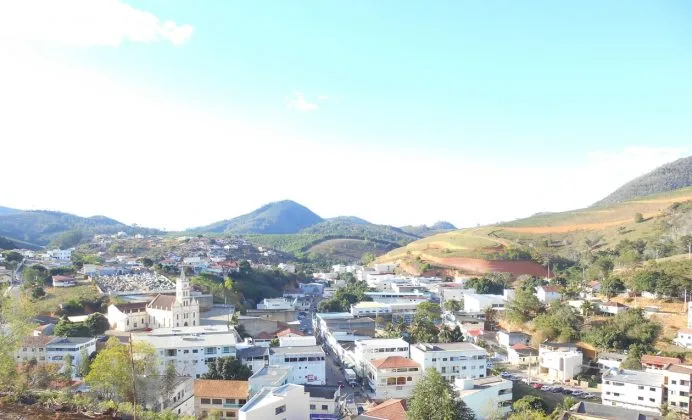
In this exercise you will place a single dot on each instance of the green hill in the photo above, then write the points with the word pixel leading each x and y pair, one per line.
pixel 425 230
pixel 40 228
pixel 7 210
pixel 669 177
pixel 280 217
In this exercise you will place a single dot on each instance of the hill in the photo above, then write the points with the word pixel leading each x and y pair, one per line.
pixel 669 177
pixel 280 217
pixel 41 228
pixel 7 210
pixel 531 241
pixel 425 230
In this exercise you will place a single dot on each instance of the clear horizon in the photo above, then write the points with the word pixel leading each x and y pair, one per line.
pixel 176 115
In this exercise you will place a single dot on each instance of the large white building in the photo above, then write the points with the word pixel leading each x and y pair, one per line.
pixel 474 303
pixel 47 349
pixel 377 348
pixel 393 377
pixel 181 310
pixel 286 402
pixel 679 388
pixel 634 390
pixel 278 304
pixel 396 297
pixel 486 397
pixel 191 348
pixel 452 360
pixel 308 363
pixel 403 310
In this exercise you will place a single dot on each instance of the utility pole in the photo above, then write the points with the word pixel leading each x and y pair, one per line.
pixel 134 381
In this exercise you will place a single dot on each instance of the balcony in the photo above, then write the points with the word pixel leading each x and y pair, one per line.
pixel 232 405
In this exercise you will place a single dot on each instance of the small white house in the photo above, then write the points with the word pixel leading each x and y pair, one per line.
pixel 684 338
pixel 64 281
pixel 547 294
pixel 612 308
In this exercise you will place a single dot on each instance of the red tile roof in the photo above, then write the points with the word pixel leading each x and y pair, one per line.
pixel 289 332
pixel 392 362
pixel 520 346
pixel 162 302
pixel 685 330
pixel 475 333
pixel 650 359
pixel 218 388
pixel 550 289
pixel 394 409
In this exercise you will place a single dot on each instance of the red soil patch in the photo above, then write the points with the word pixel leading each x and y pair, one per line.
pixel 477 265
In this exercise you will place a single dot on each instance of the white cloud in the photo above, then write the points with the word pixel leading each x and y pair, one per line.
pixel 299 103
pixel 322 97
pixel 86 23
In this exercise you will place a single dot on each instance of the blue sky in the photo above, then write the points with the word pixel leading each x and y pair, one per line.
pixel 337 104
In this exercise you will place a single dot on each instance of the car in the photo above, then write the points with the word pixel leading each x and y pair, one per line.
pixel 536 385
pixel 556 389
pixel 505 374
pixel 577 393
pixel 588 396
pixel 567 391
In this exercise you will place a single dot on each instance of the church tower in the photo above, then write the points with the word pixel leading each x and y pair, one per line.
pixel 185 309
pixel 182 289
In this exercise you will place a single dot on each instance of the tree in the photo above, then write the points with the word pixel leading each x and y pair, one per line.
pixel 169 380
pixel 486 285
pixel 367 258
pixel 529 403
pixel 112 374
pixel 638 217
pixel 147 262
pixel 228 368
pixel 561 322
pixel 524 307
pixel 12 256
pixel 67 370
pixel 274 342
pixel 445 334
pixel 453 305
pixel 97 324
pixel 588 308
pixel 434 398
pixel 15 315
pixel 84 363
pixel 65 328
pixel 38 292
pixel 611 286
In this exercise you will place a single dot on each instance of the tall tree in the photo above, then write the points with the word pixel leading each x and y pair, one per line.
pixel 169 378
pixel 434 398
pixel 15 315
pixel 67 370
pixel 84 363
pixel 228 368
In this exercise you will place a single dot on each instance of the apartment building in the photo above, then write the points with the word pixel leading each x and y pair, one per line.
pixel 254 357
pixel 486 397
pixel 402 311
pixel 286 402
pixel 474 303
pixel 452 360
pixel 393 377
pixel 268 377
pixel 307 363
pixel 395 297
pixel 219 396
pixel 377 348
pixel 678 388
pixel 634 390
pixel 49 349
pixel 560 361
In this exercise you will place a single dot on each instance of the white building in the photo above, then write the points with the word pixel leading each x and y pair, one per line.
pixel 393 377
pixel 679 387
pixel 385 268
pixel 63 281
pixel 509 338
pixel 684 337
pixel 547 294
pixel 277 304
pixel 308 363
pixel 181 310
pixel 377 348
pixel 289 268
pixel 560 362
pixel 452 360
pixel 486 397
pixel 297 341
pixel 60 254
pixel 191 348
pixel 522 355
pixel 634 390
pixel 608 360
pixel 286 402
pixel 403 310
pixel 479 303
pixel 268 377
pixel 47 349
pixel 396 297
pixel 612 308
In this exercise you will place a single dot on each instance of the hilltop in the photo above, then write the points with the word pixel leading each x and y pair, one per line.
pixel 279 217
pixel 37 228
pixel 425 230
pixel 669 177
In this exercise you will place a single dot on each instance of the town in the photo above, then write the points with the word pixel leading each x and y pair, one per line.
pixel 355 341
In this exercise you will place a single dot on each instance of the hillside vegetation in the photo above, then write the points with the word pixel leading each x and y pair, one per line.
pixel 659 220
pixel 425 230
pixel 59 229
pixel 274 218
pixel 669 177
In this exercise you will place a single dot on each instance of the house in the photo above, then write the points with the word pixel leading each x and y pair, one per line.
pixel 475 303
pixel 325 323
pixel 277 304
pixel 63 281
pixel 60 254
pixel 396 297
pixel 634 390
pixel 297 341
pixel 308 363
pixel 486 397
pixel 452 360
pixel 222 396
pixel 290 402
pixel 684 337
pixel 180 401
pixel 521 354
pixel 365 351
pixel 650 361
pixel 392 409
pixel 268 376
pixel 509 338
pixel 395 311
pixel 679 388
pixel 608 360
pixel 254 357
pixel 560 361
pixel 324 401
pixel 392 377
pixel 547 294
pixel 612 308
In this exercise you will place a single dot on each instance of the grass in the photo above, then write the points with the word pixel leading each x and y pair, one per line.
pixel 58 295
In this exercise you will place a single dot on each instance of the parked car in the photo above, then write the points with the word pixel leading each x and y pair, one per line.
pixel 567 391
pixel 556 389
pixel 577 393
pixel 536 385
pixel 505 374
pixel 588 396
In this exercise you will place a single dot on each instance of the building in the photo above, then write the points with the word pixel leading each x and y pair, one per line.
pixel 650 361
pixel 48 349
pixel 392 409
pixel 396 297
pixel 584 410
pixel 63 281
pixel 286 402
pixel 60 254
pixel 634 390
pixel 191 348
pixel 547 294
pixel 474 303
pixel 679 388
pixel 521 355
pixel 220 396
pixel 400 311
pixel 296 341
pixel 612 308
pixel 684 337
pixel 268 377
pixel 368 350
pixel 392 377
pixel 561 364
pixel 277 304
pixel 308 363
pixel 181 310
pixel 180 401
pixel 608 360
pixel 509 338
pixel 330 323
pixel 486 397
pixel 324 402
pixel 254 357
pixel 452 360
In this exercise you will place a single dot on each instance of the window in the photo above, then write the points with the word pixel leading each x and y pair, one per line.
pixel 217 401
pixel 674 382
pixel 640 398
pixel 230 413
pixel 641 386
pixel 312 406
pixel 652 389
pixel 325 407
pixel 684 394
pixel 617 394
pixel 280 409
pixel 652 399
pixel 684 404
pixel 230 401
pixel 205 400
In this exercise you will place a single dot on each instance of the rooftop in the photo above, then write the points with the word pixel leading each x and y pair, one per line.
pixel 394 409
pixel 268 396
pixel 272 375
pixel 381 342
pixel 334 315
pixel 252 351
pixel 187 341
pixel 680 369
pixel 322 391
pixel 296 350
pixel 393 362
pixel 600 411
pixel 70 340
pixel 463 346
pixel 162 302
pixel 197 329
pixel 612 356
pixel 221 388
pixel 636 377
pixel 650 359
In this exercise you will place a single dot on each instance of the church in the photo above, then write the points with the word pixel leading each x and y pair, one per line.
pixel 164 311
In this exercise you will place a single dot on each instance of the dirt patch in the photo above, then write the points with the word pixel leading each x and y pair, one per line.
pixel 566 228
pixel 481 266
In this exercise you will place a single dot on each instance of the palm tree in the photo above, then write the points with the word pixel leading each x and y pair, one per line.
pixel 445 335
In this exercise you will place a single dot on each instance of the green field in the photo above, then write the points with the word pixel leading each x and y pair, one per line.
pixel 58 295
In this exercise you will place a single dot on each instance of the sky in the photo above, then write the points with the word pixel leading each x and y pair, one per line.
pixel 173 114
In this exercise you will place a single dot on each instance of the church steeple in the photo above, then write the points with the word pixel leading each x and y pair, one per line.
pixel 182 287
